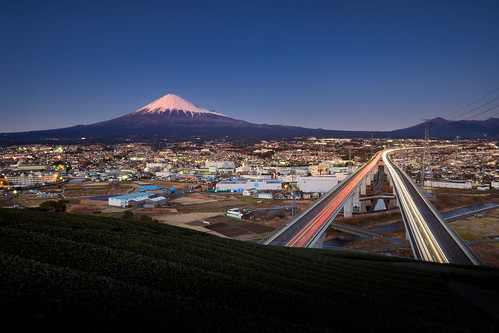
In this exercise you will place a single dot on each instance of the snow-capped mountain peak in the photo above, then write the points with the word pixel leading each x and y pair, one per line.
pixel 171 102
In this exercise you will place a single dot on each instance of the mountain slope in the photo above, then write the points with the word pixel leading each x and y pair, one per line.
pixel 442 128
pixel 168 117
pixel 175 118
pixel 84 273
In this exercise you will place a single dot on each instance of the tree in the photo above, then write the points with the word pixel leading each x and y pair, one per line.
pixel 128 215
pixel 48 206
pixel 60 205
pixel 146 218
pixel 54 206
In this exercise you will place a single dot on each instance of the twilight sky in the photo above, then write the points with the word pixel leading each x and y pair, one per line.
pixel 353 65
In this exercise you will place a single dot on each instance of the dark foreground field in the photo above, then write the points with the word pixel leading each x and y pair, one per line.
pixel 92 274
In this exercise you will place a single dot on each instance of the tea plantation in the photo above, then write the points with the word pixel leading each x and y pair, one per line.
pixel 62 272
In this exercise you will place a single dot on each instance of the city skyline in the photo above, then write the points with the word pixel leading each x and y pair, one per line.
pixel 330 65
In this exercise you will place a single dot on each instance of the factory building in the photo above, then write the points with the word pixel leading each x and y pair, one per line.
pixel 155 202
pixel 459 185
pixel 240 185
pixel 319 184
pixel 123 200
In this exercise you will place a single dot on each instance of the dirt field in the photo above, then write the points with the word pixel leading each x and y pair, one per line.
pixel 92 189
pixel 488 252
pixel 481 231
pixel 449 199
pixel 232 227
pixel 185 220
pixel 474 228
pixel 193 200
pixel 93 207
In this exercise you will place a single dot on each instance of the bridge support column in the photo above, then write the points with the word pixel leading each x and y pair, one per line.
pixel 320 242
pixel 348 207
pixel 390 179
pixel 363 186
pixel 356 196
pixel 368 178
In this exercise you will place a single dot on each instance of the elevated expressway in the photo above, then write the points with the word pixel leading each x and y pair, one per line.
pixel 307 228
pixel 431 238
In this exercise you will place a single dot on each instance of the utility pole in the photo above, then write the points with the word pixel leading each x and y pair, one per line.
pixel 292 192
pixel 425 145
pixel 426 156
pixel 372 143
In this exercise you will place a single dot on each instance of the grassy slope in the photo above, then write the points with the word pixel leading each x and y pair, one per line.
pixel 83 273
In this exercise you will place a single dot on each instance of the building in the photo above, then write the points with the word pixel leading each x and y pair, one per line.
pixel 32 167
pixel 32 179
pixel 123 200
pixel 458 185
pixel 319 184
pixel 148 188
pixel 240 185
pixel 220 164
pixel 155 202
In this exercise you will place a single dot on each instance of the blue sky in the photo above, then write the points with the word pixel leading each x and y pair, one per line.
pixel 359 65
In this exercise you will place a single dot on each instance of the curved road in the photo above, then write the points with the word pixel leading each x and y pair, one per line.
pixel 308 226
pixel 431 238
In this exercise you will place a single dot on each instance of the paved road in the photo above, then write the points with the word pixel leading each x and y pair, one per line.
pixel 303 231
pixel 431 238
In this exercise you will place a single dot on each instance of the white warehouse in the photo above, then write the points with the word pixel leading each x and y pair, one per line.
pixel 459 185
pixel 122 200
pixel 316 184
pixel 244 184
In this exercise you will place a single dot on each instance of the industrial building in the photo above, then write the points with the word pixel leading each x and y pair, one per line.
pixel 458 185
pixel 123 200
pixel 155 202
pixel 240 185
pixel 319 184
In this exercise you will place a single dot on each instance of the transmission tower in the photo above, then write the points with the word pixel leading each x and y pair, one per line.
pixel 292 193
pixel 426 156
pixel 423 162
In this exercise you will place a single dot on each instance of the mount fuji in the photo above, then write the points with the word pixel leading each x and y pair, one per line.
pixel 169 117
pixel 171 111
pixel 172 117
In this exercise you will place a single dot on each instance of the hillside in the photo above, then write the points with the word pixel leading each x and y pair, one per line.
pixel 90 274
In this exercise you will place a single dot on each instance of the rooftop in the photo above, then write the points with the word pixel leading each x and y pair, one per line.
pixel 132 195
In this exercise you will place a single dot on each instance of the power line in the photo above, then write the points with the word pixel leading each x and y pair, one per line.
pixel 492 108
pixel 471 104
pixel 478 107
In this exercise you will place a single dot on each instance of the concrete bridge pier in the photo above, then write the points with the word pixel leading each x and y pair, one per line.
pixel 368 178
pixel 348 207
pixel 363 186
pixel 356 197
pixel 390 180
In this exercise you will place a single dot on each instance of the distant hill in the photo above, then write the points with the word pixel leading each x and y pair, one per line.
pixel 442 128
pixel 61 272
pixel 173 117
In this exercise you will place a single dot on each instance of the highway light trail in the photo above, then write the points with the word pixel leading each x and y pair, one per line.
pixel 329 208
pixel 431 238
